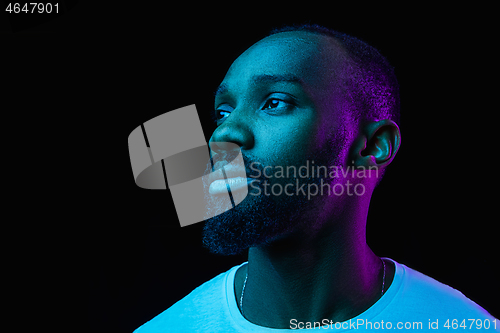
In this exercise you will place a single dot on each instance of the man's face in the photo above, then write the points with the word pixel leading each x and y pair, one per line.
pixel 277 102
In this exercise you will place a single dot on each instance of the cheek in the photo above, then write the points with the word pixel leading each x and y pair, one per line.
pixel 287 142
pixel 331 135
pixel 324 128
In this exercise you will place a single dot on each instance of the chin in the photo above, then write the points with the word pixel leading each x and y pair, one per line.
pixel 257 220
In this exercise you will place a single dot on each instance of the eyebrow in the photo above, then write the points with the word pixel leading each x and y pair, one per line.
pixel 263 78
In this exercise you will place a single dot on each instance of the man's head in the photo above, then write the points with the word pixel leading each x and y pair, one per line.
pixel 303 97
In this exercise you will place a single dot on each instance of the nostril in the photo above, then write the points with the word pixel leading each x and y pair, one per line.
pixel 223 151
pixel 224 146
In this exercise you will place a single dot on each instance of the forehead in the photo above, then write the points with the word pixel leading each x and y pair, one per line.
pixel 305 55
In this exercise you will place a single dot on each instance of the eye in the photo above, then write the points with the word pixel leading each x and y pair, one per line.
pixel 222 114
pixel 274 103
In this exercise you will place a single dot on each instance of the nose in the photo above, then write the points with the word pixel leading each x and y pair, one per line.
pixel 230 137
pixel 234 129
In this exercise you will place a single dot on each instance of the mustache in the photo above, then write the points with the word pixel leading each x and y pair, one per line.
pixel 254 168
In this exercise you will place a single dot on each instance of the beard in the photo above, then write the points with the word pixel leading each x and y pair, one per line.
pixel 263 219
pixel 258 219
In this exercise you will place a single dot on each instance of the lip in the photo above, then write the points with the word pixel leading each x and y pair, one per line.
pixel 236 178
pixel 229 170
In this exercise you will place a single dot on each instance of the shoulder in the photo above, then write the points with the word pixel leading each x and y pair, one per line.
pixel 425 294
pixel 199 308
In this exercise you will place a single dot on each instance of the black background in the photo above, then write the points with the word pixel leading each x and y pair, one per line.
pixel 112 255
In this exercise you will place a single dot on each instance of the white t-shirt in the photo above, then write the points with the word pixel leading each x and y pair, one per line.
pixel 413 302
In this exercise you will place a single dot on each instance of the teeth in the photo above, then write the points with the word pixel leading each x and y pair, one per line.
pixel 219 186
pixel 233 181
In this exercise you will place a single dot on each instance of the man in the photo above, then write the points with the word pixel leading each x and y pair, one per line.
pixel 308 98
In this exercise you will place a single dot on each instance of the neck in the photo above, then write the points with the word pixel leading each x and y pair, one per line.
pixel 311 276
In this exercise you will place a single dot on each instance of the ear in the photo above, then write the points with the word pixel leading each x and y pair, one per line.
pixel 377 144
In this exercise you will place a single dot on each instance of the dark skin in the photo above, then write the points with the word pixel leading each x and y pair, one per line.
pixel 323 269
